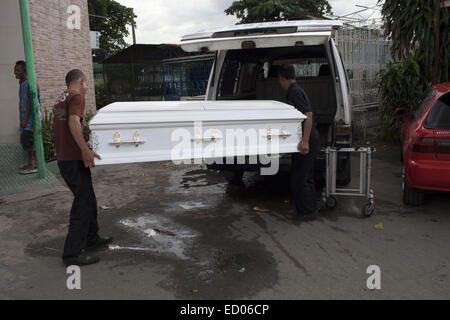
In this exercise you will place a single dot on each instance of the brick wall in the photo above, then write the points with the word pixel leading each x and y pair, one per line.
pixel 11 50
pixel 57 50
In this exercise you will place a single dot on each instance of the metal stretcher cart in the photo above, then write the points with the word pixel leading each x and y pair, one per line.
pixel 330 190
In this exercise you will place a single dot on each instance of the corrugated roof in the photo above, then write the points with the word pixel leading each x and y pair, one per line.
pixel 143 53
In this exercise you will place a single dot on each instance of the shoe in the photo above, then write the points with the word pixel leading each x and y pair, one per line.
pixel 81 260
pixel 28 171
pixel 101 242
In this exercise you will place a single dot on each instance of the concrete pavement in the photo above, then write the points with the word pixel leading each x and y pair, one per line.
pixel 184 233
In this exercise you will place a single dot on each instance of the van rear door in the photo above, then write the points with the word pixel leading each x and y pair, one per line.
pixel 262 35
pixel 343 82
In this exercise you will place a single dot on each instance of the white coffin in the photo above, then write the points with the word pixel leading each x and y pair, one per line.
pixel 129 132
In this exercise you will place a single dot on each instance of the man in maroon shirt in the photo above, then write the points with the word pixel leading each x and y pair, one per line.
pixel 75 159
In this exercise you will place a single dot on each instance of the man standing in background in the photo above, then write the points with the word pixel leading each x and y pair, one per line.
pixel 26 119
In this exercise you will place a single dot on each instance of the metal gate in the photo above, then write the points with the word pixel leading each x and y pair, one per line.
pixel 365 52
pixel 186 77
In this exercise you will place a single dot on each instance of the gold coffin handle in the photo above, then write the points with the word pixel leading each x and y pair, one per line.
pixel 211 139
pixel 281 135
pixel 284 134
pixel 136 140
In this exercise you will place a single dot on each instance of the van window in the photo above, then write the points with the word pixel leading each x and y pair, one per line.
pixel 248 77
pixel 242 74
pixel 238 77
pixel 312 67
pixel 439 117
pixel 229 77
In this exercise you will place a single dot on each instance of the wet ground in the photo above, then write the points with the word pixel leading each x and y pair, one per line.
pixel 185 233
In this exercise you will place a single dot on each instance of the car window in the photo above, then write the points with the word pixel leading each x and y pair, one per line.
pixel 439 117
pixel 429 95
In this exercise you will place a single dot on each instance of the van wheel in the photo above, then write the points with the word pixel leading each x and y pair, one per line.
pixel 346 177
pixel 411 196
pixel 233 177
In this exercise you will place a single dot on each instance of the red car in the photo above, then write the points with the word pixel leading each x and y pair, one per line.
pixel 425 138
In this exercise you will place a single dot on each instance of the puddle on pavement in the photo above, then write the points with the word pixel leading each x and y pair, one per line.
pixel 195 180
pixel 193 205
pixel 195 189
pixel 158 234
pixel 239 268
pixel 117 247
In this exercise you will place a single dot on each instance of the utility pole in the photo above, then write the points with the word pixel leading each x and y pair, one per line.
pixel 28 46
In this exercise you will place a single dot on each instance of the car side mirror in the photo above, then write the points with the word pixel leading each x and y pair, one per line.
pixel 402 113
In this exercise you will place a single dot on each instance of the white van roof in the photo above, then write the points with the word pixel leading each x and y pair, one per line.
pixel 301 25
pixel 317 31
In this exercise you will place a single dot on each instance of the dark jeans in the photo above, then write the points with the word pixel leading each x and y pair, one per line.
pixel 302 177
pixel 83 227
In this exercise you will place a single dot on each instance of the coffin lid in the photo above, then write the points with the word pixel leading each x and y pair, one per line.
pixel 190 111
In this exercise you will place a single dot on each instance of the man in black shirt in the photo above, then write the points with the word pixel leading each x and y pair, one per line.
pixel 302 171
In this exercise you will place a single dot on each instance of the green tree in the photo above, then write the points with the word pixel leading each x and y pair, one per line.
pixel 401 84
pixel 249 11
pixel 422 27
pixel 111 19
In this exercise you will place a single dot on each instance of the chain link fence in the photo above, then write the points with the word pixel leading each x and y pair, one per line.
pixel 365 52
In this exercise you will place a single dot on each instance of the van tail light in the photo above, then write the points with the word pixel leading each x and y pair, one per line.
pixel 343 134
pixel 424 145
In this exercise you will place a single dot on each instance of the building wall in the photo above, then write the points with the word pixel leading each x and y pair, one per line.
pixel 11 51
pixel 57 49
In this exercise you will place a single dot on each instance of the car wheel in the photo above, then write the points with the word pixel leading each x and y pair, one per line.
pixel 411 196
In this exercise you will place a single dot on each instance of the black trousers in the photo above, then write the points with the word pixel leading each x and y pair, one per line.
pixel 302 177
pixel 83 226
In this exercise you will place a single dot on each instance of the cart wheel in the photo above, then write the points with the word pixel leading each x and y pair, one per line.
pixel 367 210
pixel 331 202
